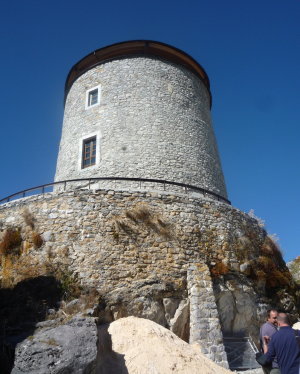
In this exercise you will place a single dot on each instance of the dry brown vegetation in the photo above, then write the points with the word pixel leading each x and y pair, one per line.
pixel 29 218
pixel 271 248
pixel 17 263
pixel 219 269
pixel 270 266
pixel 141 217
pixel 11 242
pixel 36 240
pixel 86 300
pixel 18 266
pixel 17 269
pixel 69 282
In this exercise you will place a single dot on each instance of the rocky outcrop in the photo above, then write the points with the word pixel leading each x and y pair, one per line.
pixel 239 308
pixel 152 299
pixel 66 348
pixel 127 346
pixel 136 249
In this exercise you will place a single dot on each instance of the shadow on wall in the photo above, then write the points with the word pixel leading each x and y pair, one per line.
pixel 21 308
pixel 108 361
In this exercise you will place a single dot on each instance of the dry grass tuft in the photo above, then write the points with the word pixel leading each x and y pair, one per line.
pixel 265 263
pixel 29 218
pixel 16 269
pixel 260 221
pixel 271 248
pixel 271 266
pixel 139 213
pixel 68 280
pixel 260 274
pixel 11 242
pixel 219 269
pixel 122 225
pixel 139 219
pixel 37 240
pixel 87 300
pixel 278 278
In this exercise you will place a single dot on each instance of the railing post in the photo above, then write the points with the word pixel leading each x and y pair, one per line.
pixel 23 194
pixel 65 185
pixel 164 185
pixel 43 189
pixel 89 184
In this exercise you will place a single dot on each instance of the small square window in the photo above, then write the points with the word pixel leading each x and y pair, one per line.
pixel 92 97
pixel 89 152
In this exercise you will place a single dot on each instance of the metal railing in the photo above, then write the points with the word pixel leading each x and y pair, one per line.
pixel 241 353
pixel 42 188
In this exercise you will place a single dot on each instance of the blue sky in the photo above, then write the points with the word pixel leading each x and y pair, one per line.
pixel 249 49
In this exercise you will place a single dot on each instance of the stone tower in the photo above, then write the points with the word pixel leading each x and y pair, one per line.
pixel 200 267
pixel 139 109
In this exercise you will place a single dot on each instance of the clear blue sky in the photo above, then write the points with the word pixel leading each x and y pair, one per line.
pixel 250 50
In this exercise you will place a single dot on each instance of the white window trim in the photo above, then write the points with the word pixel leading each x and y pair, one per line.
pixel 87 94
pixel 96 135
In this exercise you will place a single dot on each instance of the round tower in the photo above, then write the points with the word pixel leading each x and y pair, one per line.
pixel 139 109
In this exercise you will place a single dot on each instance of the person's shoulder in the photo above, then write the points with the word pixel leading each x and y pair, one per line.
pixel 268 327
pixel 283 331
pixel 266 324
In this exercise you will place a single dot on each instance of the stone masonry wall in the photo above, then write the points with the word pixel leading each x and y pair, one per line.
pixel 136 249
pixel 153 121
pixel 122 236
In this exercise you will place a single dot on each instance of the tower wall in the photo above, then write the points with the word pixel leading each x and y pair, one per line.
pixel 153 121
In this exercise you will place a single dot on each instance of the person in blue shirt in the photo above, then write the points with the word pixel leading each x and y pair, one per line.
pixel 284 346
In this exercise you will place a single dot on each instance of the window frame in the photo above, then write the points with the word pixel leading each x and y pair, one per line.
pixel 84 139
pixel 89 145
pixel 88 95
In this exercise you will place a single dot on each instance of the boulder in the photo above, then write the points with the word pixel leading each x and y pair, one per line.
pixel 138 346
pixel 66 348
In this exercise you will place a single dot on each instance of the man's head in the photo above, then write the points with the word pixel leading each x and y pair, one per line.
pixel 283 319
pixel 272 316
